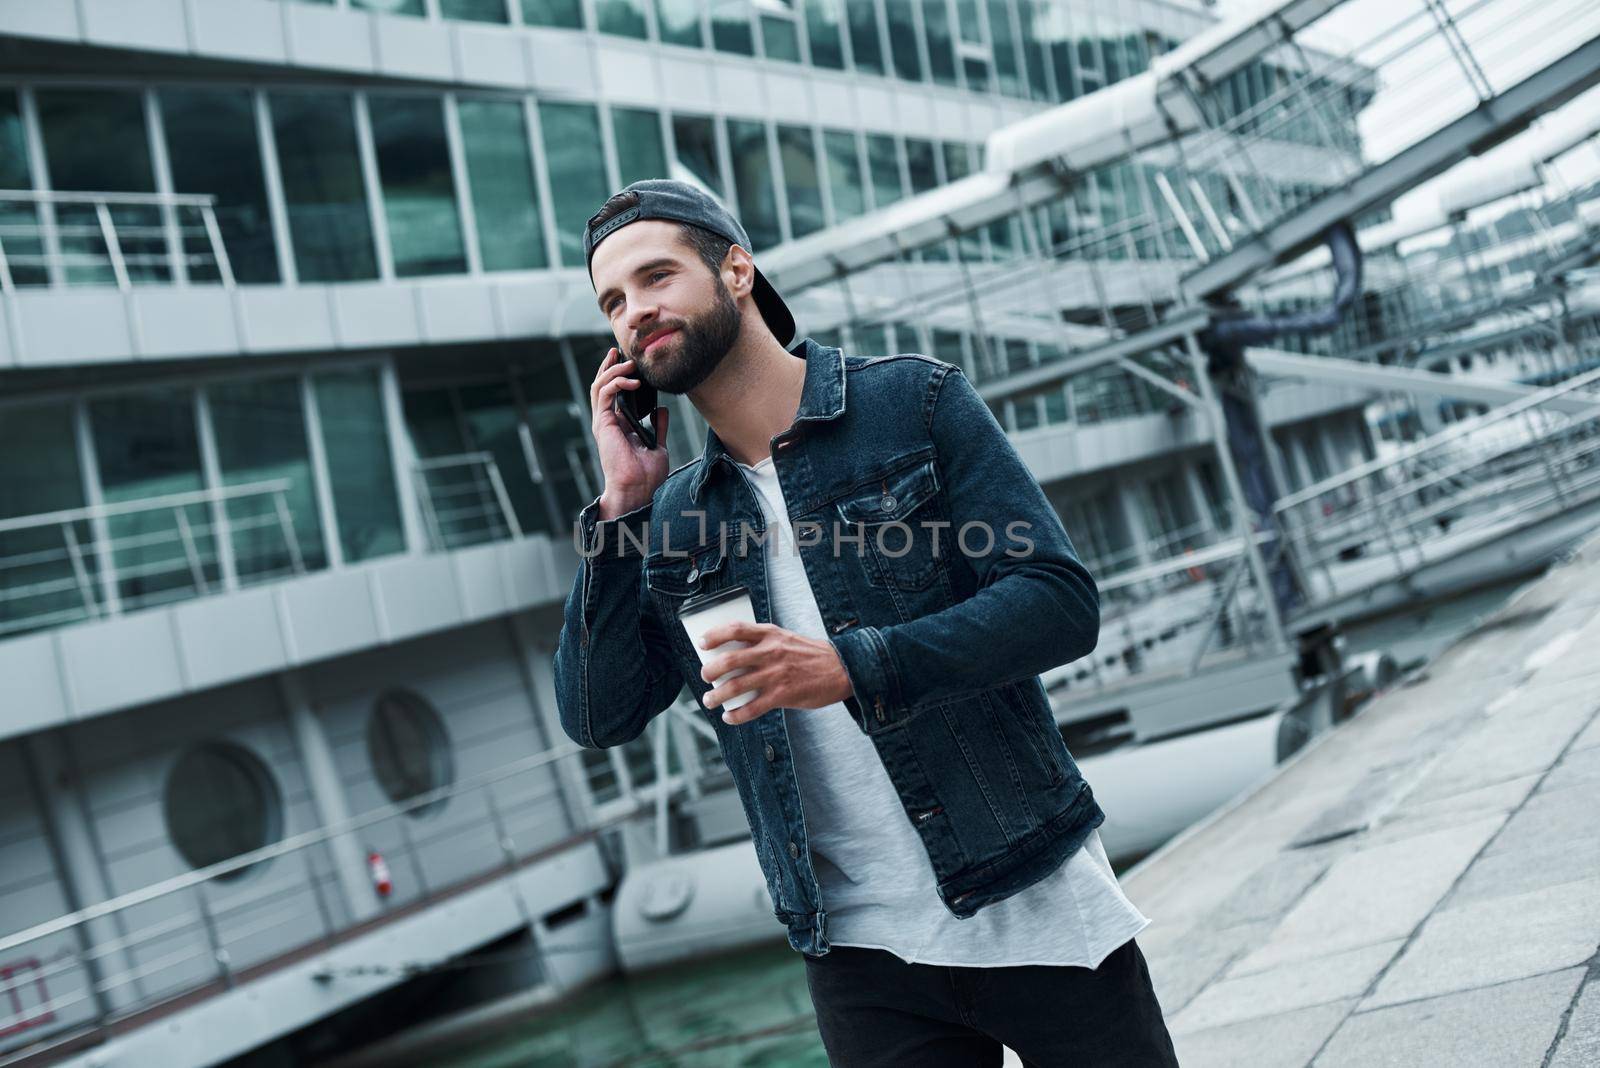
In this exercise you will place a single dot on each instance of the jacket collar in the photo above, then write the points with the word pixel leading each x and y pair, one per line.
pixel 822 397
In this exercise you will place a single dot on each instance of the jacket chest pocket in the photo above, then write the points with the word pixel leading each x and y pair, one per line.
pixel 673 579
pixel 888 514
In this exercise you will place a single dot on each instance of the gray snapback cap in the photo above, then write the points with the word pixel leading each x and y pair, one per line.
pixel 664 198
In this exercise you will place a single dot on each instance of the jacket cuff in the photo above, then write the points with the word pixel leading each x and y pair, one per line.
pixel 624 537
pixel 875 703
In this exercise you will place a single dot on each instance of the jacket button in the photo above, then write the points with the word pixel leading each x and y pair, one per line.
pixel 694 573
pixel 888 503
pixel 794 850
pixel 772 754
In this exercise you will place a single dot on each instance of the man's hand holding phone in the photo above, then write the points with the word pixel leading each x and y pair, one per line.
pixel 632 467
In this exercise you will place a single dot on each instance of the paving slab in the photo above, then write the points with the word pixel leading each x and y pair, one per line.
pixel 1374 895
pixel 1549 817
pixel 1506 1026
pixel 1495 940
pixel 1580 767
pixel 1288 1040
pixel 1183 966
pixel 1338 977
pixel 1579 1045
pixel 1528 867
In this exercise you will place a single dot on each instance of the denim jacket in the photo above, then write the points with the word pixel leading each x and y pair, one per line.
pixel 942 631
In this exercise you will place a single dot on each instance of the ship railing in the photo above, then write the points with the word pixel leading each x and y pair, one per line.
pixel 221 925
pixel 1485 474
pixel 464 501
pixel 120 239
pixel 104 560
pixel 1174 617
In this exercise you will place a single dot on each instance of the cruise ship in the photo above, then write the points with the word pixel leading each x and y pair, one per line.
pixel 295 343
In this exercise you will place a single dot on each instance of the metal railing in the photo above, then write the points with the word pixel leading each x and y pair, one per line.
pixel 104 560
pixel 464 501
pixel 120 239
pixel 209 928
pixel 1486 475
pixel 1173 617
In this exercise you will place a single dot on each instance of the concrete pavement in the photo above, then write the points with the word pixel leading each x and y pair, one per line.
pixel 1420 886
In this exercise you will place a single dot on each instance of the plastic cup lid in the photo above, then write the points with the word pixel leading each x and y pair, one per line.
pixel 706 600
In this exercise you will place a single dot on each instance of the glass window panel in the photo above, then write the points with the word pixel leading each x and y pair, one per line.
pixel 884 163
pixel 1005 49
pixel 798 156
pixel 625 18
pixel 220 801
pixel 567 14
pixel 678 22
pixel 752 166
pixel 577 171
pixel 211 141
pixel 903 40
pixel 494 425
pixel 947 346
pixel 919 160
pixel 1033 53
pixel 695 138
pixel 146 447
pixel 505 198
pixel 970 27
pixel 323 186
pixel 924 177
pixel 823 21
pixel 19 223
pixel 941 44
pixel 409 750
pixel 779 36
pixel 474 10
pixel 39 473
pixel 844 174
pixel 731 30
pixel 261 437
pixel 95 140
pixel 957 160
pixel 558 426
pixel 640 153
pixel 391 7
pixel 419 191
pixel 360 468
pixel 866 44
pixel 1026 413
pixel 871 340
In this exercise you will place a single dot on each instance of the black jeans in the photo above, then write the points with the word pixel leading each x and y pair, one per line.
pixel 875 1009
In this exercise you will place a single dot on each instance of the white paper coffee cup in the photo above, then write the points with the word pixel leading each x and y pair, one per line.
pixel 702 612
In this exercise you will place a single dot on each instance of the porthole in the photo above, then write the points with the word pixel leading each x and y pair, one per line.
pixel 221 801
pixel 409 749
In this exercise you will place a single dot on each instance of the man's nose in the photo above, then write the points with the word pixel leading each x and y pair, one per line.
pixel 640 318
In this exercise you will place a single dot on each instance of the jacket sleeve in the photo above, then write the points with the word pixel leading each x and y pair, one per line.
pixel 1036 606
pixel 614 667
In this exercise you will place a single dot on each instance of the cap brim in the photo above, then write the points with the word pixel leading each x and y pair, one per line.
pixel 773 309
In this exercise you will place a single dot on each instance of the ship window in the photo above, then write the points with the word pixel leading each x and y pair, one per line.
pixel 409 749
pixel 221 801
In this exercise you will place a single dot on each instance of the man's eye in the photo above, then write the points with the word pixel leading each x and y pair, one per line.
pixel 657 274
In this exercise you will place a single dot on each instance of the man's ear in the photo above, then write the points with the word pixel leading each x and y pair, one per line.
pixel 739 271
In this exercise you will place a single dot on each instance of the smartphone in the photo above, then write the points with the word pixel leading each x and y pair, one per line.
pixel 635 406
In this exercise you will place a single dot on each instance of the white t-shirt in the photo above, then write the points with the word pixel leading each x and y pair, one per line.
pixel 877 883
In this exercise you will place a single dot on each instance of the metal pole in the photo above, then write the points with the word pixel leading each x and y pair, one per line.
pixel 213 939
pixel 1230 477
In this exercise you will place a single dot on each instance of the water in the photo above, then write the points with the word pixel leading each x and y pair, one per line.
pixel 741 1010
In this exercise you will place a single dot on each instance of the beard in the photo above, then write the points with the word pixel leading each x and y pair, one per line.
pixel 702 342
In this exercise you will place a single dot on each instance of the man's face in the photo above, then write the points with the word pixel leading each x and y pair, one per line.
pixel 671 315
